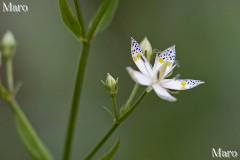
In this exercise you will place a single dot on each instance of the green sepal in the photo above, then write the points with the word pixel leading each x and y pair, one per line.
pixel 112 151
pixel 70 20
pixel 149 89
pixel 173 91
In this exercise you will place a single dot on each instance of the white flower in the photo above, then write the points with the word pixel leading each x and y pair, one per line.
pixel 156 76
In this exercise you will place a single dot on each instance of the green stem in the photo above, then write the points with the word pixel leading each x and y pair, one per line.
pixel 133 94
pixel 98 18
pixel 104 139
pixel 75 100
pixel 115 125
pixel 114 104
pixel 79 15
pixel 134 107
pixel 9 72
pixel 80 74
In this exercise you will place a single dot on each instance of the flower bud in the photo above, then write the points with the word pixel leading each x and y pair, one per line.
pixel 8 45
pixel 111 85
pixel 146 48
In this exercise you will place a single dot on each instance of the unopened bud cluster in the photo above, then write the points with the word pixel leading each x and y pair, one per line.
pixel 8 45
pixel 111 85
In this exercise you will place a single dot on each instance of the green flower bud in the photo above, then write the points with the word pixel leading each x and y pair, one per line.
pixel 111 85
pixel 8 45
pixel 146 48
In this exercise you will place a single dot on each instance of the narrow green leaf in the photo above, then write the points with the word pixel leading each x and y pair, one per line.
pixel 33 144
pixel 70 20
pixel 107 17
pixel 108 111
pixel 112 151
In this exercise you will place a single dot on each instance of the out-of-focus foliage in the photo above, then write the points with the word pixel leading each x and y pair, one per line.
pixel 206 34
pixel 107 17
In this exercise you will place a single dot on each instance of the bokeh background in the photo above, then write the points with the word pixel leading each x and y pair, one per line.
pixel 207 38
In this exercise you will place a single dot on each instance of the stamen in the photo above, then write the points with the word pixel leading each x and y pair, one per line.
pixel 157 51
pixel 177 63
pixel 158 74
pixel 177 77
pixel 143 59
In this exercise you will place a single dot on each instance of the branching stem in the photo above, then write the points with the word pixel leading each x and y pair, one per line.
pixel 115 125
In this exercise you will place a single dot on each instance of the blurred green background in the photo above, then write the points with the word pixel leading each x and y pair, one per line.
pixel 207 38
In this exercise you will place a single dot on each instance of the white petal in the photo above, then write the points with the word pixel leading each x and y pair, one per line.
pixel 167 56
pixel 180 84
pixel 139 59
pixel 139 77
pixel 162 93
pixel 156 65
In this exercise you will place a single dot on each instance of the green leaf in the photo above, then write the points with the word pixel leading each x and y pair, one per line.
pixel 107 17
pixel 112 151
pixel 31 140
pixel 108 111
pixel 70 20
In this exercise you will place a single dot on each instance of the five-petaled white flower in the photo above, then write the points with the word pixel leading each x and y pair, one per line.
pixel 156 76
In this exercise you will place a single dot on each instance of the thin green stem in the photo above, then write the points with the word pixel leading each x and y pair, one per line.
pixel 79 16
pixel 80 74
pixel 75 101
pixel 103 140
pixel 114 104
pixel 133 94
pixel 78 87
pixel 98 18
pixel 115 125
pixel 9 72
pixel 134 107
